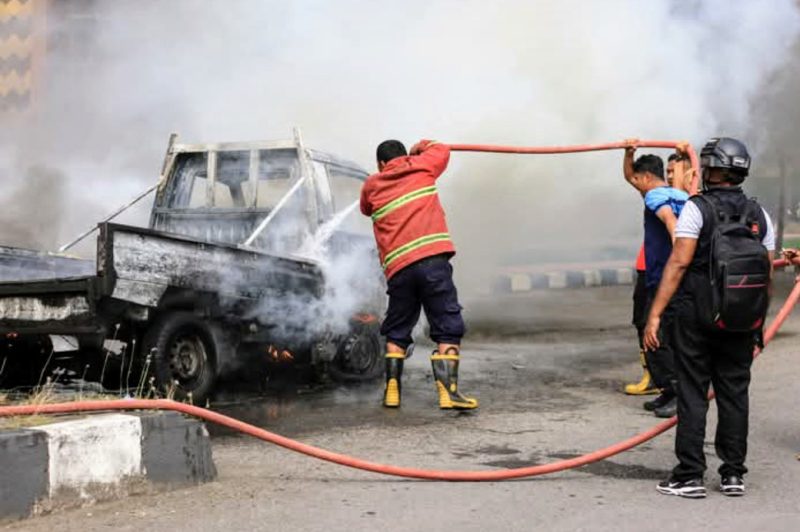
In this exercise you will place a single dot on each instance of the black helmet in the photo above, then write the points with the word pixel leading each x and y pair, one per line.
pixel 728 154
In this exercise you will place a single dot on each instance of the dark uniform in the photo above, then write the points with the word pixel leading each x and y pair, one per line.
pixel 415 249
pixel 705 353
pixel 658 246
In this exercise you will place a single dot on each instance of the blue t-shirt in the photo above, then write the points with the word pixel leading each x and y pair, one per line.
pixel 657 242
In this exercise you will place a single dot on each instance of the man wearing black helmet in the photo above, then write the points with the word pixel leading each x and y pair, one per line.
pixel 719 273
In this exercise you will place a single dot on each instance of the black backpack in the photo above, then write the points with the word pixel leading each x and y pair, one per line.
pixel 739 268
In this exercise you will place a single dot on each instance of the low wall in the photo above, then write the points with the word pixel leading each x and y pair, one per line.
pixel 100 457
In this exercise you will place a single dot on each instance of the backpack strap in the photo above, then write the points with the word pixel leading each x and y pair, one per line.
pixel 750 213
pixel 712 211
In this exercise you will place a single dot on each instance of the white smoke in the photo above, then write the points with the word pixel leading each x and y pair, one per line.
pixel 352 73
pixel 352 285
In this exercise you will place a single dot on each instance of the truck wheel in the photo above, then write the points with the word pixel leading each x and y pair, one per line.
pixel 185 360
pixel 360 354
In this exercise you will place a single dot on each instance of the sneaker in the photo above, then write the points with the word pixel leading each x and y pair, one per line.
pixel 668 410
pixel 691 489
pixel 732 486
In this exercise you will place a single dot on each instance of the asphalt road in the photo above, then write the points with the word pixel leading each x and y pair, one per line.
pixel 548 391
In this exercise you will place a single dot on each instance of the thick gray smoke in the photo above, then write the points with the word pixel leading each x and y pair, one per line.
pixel 120 76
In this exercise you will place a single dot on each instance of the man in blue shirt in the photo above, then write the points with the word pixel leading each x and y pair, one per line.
pixel 663 204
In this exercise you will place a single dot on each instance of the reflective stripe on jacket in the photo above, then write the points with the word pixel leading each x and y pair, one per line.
pixel 407 218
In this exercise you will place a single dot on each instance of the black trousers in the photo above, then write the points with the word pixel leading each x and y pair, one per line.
pixel 661 362
pixel 639 319
pixel 704 356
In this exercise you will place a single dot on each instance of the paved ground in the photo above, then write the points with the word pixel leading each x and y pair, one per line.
pixel 544 396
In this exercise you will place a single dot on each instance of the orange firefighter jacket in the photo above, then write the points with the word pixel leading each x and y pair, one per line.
pixel 407 218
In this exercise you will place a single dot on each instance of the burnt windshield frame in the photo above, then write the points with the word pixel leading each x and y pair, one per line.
pixel 187 168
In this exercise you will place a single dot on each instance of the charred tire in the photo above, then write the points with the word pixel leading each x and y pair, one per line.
pixel 360 354
pixel 185 359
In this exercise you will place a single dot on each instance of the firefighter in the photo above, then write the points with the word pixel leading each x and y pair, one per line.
pixel 708 347
pixel 415 249
pixel 663 204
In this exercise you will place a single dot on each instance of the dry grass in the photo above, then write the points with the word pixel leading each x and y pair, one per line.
pixel 41 395
pixel 48 393
pixel 21 422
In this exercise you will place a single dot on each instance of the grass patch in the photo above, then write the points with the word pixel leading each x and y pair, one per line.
pixel 41 395
pixel 22 422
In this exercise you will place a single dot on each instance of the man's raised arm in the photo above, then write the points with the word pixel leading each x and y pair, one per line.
pixel 431 155
pixel 627 161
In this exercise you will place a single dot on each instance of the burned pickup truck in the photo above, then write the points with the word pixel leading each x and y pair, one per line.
pixel 240 267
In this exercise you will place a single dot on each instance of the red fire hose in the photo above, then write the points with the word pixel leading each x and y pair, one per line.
pixel 426 474
pixel 549 150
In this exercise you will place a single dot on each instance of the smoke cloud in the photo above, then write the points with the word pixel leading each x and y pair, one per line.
pixel 120 76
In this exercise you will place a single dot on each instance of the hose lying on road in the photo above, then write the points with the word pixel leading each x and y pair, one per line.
pixel 341 459
pixel 385 469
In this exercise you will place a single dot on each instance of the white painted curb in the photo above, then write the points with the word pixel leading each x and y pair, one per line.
pixel 103 449
pixel 102 456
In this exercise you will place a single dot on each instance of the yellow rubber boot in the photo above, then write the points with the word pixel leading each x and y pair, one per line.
pixel 644 386
pixel 394 374
pixel 445 375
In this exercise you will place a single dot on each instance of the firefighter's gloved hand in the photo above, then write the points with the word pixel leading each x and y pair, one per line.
pixel 420 146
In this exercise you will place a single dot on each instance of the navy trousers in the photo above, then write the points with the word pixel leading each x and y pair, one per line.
pixel 424 285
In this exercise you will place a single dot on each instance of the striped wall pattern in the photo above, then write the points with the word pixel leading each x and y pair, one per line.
pixel 509 283
pixel 17 28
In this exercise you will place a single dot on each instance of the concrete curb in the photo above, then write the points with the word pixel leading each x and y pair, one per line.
pixel 103 456
pixel 509 283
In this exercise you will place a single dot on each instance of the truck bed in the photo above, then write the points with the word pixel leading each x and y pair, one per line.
pixel 137 268
pixel 18 264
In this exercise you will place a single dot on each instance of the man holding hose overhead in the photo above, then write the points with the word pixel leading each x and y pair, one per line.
pixel 415 250
pixel 663 204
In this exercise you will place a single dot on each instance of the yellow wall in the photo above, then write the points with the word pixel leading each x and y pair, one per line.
pixel 21 40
